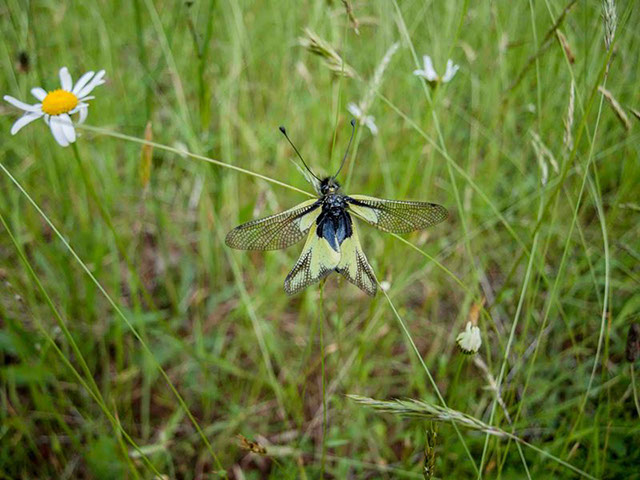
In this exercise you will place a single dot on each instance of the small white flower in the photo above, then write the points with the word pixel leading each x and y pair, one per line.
pixel 429 73
pixel 385 285
pixel 469 341
pixel 58 105
pixel 363 119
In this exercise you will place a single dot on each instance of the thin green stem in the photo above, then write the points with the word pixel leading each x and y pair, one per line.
pixel 122 316
pixel 257 328
pixel 426 370
pixel 525 285
pixel 179 152
pixel 339 101
pixel 142 55
pixel 137 283
pixel 91 387
pixel 324 383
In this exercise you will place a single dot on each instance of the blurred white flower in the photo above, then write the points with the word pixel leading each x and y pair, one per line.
pixel 469 341
pixel 363 119
pixel 58 105
pixel 385 285
pixel 430 75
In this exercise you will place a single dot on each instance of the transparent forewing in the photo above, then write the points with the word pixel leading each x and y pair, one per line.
pixel 354 265
pixel 316 261
pixel 276 231
pixel 396 216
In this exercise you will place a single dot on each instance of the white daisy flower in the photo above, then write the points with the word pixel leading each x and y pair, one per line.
pixel 469 341
pixel 430 75
pixel 58 105
pixel 363 119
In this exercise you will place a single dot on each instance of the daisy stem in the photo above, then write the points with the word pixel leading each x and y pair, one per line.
pixel 136 281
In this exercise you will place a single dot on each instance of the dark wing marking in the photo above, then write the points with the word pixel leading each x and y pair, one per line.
pixel 396 216
pixel 354 265
pixel 276 231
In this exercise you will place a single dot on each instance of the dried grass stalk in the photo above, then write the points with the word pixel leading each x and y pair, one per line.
pixel 620 113
pixel 566 47
pixel 352 18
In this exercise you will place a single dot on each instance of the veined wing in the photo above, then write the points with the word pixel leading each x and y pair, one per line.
pixel 354 265
pixel 396 216
pixel 276 231
pixel 317 260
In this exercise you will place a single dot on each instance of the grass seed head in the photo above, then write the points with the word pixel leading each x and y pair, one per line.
pixel 315 44
pixel 610 17
pixel 568 120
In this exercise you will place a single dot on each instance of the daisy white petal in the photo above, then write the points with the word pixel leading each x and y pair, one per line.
pixel 450 71
pixel 84 111
pixel 21 105
pixel 24 120
pixel 95 81
pixel 67 127
pixel 58 134
pixel 354 110
pixel 82 81
pixel 429 72
pixel 469 341
pixel 39 93
pixel 369 122
pixel 65 79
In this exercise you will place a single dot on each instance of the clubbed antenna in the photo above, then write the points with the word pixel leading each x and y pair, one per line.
pixel 284 132
pixel 353 130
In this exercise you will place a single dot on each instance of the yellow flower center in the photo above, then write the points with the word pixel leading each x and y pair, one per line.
pixel 59 101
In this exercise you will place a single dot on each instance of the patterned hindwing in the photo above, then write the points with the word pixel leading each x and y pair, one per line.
pixel 276 231
pixel 396 216
pixel 354 265
pixel 316 261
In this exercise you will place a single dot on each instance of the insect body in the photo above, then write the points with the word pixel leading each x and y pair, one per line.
pixel 332 238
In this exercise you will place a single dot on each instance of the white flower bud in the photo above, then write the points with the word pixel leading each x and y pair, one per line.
pixel 469 341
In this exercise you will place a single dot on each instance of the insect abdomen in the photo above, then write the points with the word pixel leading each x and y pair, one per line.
pixel 334 225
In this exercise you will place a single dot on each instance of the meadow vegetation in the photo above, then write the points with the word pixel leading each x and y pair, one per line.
pixel 135 344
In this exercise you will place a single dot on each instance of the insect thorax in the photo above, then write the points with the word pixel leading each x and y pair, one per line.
pixel 334 222
pixel 334 202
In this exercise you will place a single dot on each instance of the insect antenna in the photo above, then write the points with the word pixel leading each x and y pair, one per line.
pixel 284 132
pixel 353 130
